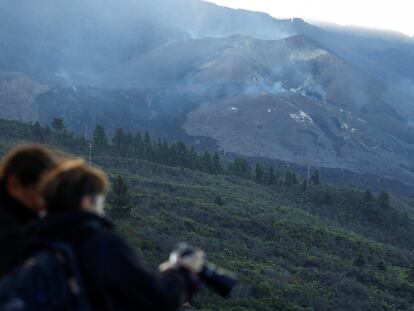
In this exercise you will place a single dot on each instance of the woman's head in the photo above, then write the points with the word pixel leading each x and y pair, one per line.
pixel 21 171
pixel 73 186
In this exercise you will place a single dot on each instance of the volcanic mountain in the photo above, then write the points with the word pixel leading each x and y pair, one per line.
pixel 229 79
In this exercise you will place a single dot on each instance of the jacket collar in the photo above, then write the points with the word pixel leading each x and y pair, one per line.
pixel 64 222
pixel 65 227
pixel 14 207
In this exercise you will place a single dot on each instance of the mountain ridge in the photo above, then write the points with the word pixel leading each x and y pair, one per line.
pixel 172 65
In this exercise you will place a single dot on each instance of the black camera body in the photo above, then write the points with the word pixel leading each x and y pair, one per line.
pixel 218 279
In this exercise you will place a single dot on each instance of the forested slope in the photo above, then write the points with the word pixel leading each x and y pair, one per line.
pixel 295 246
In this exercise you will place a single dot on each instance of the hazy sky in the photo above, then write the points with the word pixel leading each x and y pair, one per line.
pixel 384 14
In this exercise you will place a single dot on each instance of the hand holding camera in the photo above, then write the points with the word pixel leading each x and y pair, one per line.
pixel 218 279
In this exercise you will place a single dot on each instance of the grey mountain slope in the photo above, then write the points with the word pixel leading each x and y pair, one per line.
pixel 289 99
pixel 78 37
pixel 296 64
pixel 75 39
pixel 161 64
pixel 296 129
pixel 18 96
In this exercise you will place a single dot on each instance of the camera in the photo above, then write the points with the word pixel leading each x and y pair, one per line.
pixel 216 278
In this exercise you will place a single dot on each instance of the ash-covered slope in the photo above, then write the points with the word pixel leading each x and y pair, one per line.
pixel 246 64
pixel 74 41
pixel 294 100
pixel 301 130
pixel 289 99
pixel 18 96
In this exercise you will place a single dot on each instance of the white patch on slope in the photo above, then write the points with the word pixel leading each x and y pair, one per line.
pixel 344 126
pixel 363 121
pixel 301 117
pixel 309 86
pixel 307 55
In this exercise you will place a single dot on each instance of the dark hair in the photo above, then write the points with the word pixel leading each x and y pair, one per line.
pixel 64 187
pixel 27 163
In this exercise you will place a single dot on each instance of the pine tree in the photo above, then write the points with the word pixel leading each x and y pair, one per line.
pixel 194 159
pixel 304 185
pixel 118 139
pixel 37 132
pixel 207 162
pixel 137 146
pixel 295 180
pixel 182 154
pixel 127 143
pixel 100 140
pixel 119 186
pixel 165 150
pixel 271 177
pixel 159 156
pixel 384 200
pixel 315 179
pixel 120 200
pixel 58 125
pixel 48 131
pixel 218 168
pixel 246 169
pixel 259 172
pixel 368 197
pixel 240 167
pixel 172 155
pixel 290 179
pixel 286 179
pixel 148 148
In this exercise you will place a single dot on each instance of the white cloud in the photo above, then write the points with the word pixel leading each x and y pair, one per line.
pixel 394 15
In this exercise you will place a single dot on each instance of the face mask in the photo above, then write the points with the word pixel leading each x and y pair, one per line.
pixel 98 204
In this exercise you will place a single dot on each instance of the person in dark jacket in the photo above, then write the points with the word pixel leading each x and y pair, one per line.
pixel 20 173
pixel 114 277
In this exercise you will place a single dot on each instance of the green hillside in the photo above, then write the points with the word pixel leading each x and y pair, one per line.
pixel 294 247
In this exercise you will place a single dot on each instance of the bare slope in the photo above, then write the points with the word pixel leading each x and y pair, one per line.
pixel 17 96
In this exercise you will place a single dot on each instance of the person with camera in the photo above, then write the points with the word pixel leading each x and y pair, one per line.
pixel 113 275
pixel 20 203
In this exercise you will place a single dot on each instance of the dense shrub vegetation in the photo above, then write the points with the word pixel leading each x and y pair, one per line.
pixel 296 244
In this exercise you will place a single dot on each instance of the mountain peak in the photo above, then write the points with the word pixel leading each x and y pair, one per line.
pixel 301 41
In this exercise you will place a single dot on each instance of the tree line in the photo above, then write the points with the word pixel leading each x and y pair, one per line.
pixel 146 147
pixel 160 151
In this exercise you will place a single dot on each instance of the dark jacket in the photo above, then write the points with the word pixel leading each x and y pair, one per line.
pixel 14 217
pixel 113 275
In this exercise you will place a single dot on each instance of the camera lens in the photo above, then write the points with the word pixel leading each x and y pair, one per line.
pixel 220 280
